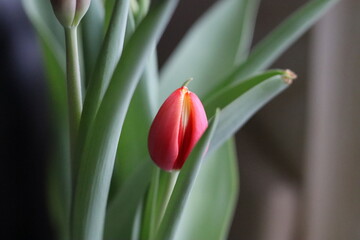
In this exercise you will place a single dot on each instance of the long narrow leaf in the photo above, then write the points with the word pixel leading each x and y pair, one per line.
pixel 109 7
pixel 278 41
pixel 104 68
pixel 248 13
pixel 185 183
pixel 228 94
pixel 121 212
pixel 208 51
pixel 236 114
pixel 212 201
pixel 97 161
pixel 92 26
pixel 137 123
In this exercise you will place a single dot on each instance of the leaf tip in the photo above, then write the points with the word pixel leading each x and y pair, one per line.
pixel 289 76
pixel 187 82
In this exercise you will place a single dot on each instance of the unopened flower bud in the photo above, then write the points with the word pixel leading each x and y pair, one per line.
pixel 176 129
pixel 70 12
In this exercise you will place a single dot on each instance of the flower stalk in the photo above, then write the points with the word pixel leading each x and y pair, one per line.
pixel 69 13
pixel 74 93
pixel 166 187
pixel 161 188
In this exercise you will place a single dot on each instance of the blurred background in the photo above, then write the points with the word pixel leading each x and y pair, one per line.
pixel 299 157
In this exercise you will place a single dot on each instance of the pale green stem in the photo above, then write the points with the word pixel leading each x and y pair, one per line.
pixel 166 186
pixel 73 89
pixel 161 188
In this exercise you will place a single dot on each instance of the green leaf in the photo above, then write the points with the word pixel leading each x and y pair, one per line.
pixel 278 41
pixel 185 183
pixel 130 156
pixel 92 26
pixel 211 48
pixel 137 123
pixel 212 202
pixel 226 95
pixel 109 6
pixel 97 161
pixel 121 211
pixel 248 20
pixel 236 114
pixel 108 58
pixel 143 8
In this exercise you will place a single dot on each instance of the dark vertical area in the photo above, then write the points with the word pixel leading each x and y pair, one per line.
pixel 24 129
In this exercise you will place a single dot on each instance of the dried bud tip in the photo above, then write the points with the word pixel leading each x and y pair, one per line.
pixel 289 76
pixel 70 12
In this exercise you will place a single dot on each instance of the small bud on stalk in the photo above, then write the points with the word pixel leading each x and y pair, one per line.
pixel 176 129
pixel 70 12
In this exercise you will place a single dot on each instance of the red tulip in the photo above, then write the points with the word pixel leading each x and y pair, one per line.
pixel 176 129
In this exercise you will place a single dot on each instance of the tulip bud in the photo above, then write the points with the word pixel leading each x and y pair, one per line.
pixel 176 129
pixel 70 12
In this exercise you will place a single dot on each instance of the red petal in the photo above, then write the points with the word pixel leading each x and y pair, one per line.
pixel 197 124
pixel 163 135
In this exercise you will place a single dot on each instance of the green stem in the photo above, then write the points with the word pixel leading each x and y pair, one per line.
pixel 161 188
pixel 166 186
pixel 73 88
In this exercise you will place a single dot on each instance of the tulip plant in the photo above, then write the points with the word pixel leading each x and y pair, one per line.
pixel 139 153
